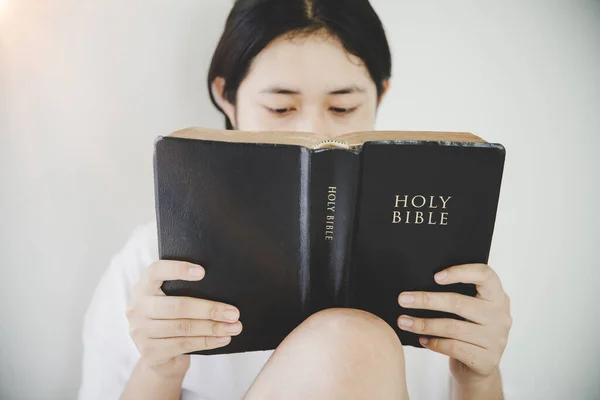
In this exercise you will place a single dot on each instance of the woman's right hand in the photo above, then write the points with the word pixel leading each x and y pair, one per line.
pixel 164 328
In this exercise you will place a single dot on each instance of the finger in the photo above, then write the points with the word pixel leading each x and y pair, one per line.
pixel 483 276
pixel 477 358
pixel 174 307
pixel 158 329
pixel 471 308
pixel 467 332
pixel 168 270
pixel 164 349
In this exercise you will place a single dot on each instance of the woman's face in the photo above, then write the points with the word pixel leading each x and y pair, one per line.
pixel 308 84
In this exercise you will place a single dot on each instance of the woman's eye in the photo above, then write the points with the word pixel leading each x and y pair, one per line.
pixel 340 110
pixel 280 111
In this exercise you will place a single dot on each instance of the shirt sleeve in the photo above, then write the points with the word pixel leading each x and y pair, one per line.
pixel 109 354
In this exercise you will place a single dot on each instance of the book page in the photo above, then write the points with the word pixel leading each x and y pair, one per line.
pixel 313 140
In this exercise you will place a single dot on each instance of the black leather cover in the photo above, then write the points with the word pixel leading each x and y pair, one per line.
pixel 256 217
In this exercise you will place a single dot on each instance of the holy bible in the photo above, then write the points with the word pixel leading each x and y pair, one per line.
pixel 287 224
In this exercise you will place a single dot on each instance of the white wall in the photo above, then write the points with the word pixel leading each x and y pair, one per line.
pixel 86 86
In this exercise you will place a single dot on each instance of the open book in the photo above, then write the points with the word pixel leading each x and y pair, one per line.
pixel 287 224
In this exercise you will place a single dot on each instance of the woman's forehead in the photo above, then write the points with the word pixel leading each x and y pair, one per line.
pixel 307 64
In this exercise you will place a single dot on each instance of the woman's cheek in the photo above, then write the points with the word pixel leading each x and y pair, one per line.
pixel 257 119
pixel 360 120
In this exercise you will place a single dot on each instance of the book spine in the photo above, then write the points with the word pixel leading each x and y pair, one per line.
pixel 305 239
pixel 334 176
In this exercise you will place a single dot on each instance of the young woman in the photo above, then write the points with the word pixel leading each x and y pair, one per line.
pixel 296 65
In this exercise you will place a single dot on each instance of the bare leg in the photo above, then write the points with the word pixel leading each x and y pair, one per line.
pixel 338 353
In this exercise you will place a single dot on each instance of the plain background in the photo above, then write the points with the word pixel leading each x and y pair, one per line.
pixel 86 86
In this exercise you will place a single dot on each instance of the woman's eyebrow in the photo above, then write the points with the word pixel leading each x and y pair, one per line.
pixel 279 90
pixel 348 90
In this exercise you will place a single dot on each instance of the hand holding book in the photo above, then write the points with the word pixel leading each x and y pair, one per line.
pixel 165 328
pixel 476 343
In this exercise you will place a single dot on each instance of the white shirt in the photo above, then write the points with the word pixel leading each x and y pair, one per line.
pixel 109 354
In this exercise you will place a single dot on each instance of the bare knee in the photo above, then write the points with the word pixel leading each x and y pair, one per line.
pixel 344 323
pixel 335 353
pixel 344 329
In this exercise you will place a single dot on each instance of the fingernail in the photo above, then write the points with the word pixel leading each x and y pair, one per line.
pixel 440 276
pixel 233 328
pixel 195 271
pixel 406 322
pixel 231 315
pixel 223 339
pixel 406 298
pixel 424 340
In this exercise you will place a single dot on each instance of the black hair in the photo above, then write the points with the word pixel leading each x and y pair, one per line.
pixel 253 24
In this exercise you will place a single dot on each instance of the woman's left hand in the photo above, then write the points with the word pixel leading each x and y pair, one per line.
pixel 476 345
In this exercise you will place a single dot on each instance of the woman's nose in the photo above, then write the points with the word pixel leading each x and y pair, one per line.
pixel 315 123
